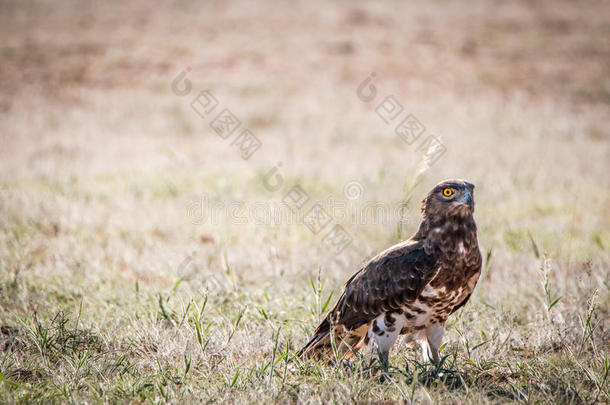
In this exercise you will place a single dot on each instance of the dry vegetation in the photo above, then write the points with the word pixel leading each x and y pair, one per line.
pixel 110 289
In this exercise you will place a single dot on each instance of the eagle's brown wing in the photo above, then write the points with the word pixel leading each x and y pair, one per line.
pixel 391 279
pixel 386 283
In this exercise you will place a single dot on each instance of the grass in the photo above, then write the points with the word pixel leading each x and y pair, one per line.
pixel 112 291
pixel 229 344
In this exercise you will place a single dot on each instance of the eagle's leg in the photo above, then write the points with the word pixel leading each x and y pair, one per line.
pixel 384 331
pixel 383 343
pixel 432 342
pixel 384 358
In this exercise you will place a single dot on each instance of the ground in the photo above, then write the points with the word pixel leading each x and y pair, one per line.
pixel 146 258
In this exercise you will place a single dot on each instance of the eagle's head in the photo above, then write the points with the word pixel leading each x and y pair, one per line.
pixel 449 198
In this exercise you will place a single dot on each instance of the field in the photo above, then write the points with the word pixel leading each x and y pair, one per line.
pixel 149 255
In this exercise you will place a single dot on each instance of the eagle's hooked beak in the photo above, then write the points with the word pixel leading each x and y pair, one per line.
pixel 467 199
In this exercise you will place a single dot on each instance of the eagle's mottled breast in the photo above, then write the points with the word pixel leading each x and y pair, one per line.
pixel 456 275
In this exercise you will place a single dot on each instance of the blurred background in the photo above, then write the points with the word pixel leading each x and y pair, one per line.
pixel 106 167
pixel 95 140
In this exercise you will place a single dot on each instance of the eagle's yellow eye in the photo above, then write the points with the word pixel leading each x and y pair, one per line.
pixel 447 192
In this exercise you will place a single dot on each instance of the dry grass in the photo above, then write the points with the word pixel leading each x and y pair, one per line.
pixel 110 289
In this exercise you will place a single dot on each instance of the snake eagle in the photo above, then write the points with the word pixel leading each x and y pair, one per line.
pixel 412 287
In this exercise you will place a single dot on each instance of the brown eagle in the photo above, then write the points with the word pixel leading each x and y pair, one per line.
pixel 412 287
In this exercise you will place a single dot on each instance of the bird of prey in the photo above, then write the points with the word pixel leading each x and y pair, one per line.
pixel 412 287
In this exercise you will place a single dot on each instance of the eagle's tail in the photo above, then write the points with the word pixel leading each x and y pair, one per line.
pixel 320 339
pixel 347 341
pixel 348 334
